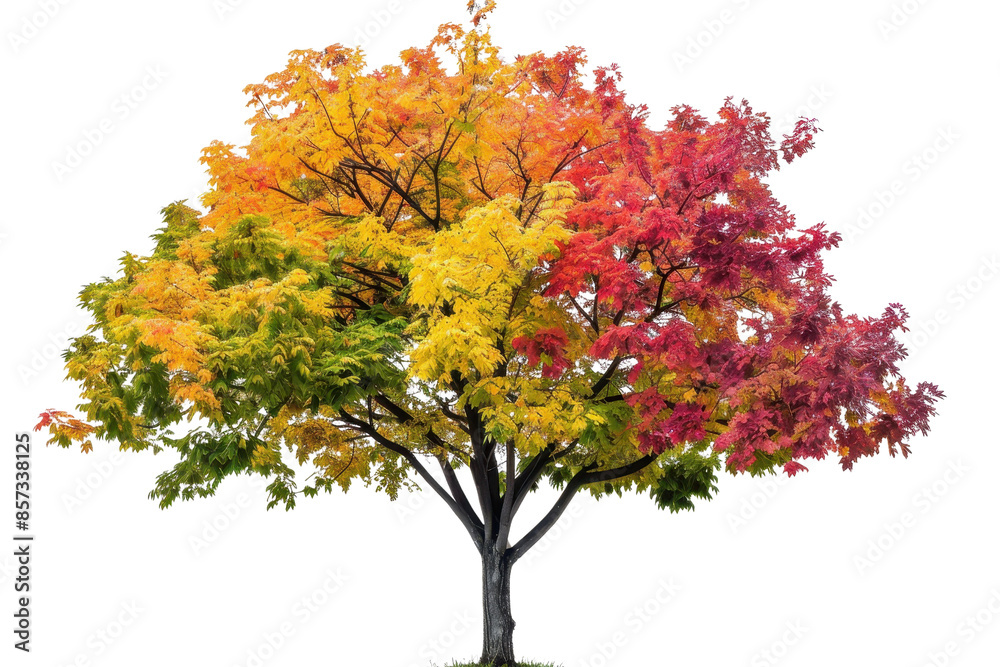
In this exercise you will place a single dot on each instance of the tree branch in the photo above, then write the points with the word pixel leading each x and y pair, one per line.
pixel 587 475
pixel 507 511
pixel 458 492
pixel 470 521
pixel 533 471
pixel 606 378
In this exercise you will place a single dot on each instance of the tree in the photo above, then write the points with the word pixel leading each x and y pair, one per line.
pixel 496 269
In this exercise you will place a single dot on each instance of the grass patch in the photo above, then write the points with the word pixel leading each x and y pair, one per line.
pixel 519 663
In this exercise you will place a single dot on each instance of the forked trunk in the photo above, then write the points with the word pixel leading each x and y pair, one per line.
pixel 498 624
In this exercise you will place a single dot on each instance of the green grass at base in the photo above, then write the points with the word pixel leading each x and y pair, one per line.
pixel 519 663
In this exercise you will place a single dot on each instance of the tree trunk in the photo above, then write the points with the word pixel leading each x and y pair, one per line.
pixel 498 624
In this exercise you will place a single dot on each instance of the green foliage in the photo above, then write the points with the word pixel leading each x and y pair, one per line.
pixel 683 479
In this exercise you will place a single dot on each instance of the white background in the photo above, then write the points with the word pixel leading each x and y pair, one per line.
pixel 818 553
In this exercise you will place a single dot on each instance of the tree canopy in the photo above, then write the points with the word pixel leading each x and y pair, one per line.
pixel 461 261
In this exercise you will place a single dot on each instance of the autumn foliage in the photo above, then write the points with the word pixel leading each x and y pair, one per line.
pixel 492 264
